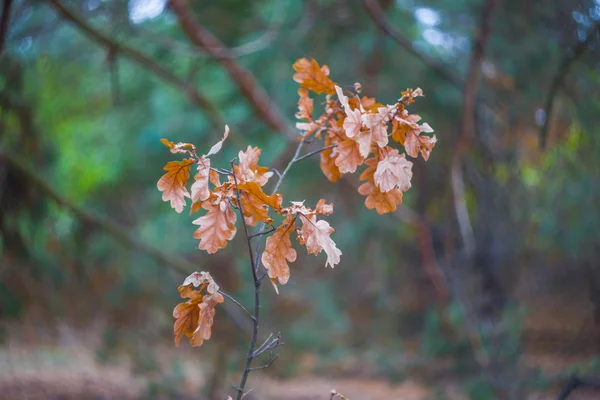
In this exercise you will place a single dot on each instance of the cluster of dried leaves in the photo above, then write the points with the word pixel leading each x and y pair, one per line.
pixel 357 131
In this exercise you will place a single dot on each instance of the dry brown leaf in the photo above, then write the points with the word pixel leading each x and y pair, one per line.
pixel 407 132
pixel 328 166
pixel 172 184
pixel 323 208
pixel 194 318
pixel 200 190
pixel 279 251
pixel 376 199
pixel 248 168
pixel 393 171
pixel 312 77
pixel 184 148
pixel 186 318
pixel 255 203
pixel 305 105
pixel 205 319
pixel 217 226
pixel 316 235
pixel 348 156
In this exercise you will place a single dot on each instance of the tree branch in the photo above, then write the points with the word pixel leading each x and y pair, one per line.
pixel 257 282
pixel 574 383
pixel 377 15
pixel 249 87
pixel 4 23
pixel 467 128
pixel 571 55
pixel 197 98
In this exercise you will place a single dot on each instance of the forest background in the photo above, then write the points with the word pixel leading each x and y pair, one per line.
pixel 484 284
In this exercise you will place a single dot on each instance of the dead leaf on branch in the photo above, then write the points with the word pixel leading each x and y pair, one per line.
pixel 216 227
pixel 279 251
pixel 312 77
pixel 194 318
pixel 172 184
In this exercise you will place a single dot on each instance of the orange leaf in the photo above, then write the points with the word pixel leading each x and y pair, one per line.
pixel 200 191
pixel 316 236
pixel 278 251
pixel 352 122
pixel 248 168
pixel 205 319
pixel 376 199
pixel 194 318
pixel 254 202
pixel 305 106
pixel 179 147
pixel 407 132
pixel 172 184
pixel 324 208
pixel 253 188
pixel 186 318
pixel 381 202
pixel 217 226
pixel 348 156
pixel 328 166
pixel 312 77
pixel 393 171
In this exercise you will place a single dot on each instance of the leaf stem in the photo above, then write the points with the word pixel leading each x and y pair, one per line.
pixel 238 304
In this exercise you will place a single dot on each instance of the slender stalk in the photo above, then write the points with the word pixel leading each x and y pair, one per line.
pixel 255 320
pixel 238 304
pixel 254 263
pixel 312 153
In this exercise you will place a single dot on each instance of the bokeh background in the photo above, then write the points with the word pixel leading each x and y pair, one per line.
pixel 431 302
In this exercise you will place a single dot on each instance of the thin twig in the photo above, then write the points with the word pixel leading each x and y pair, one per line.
pixel 262 345
pixel 238 304
pixel 573 383
pixel 266 365
pixel 263 233
pixel 249 355
pixel 275 189
pixel 312 153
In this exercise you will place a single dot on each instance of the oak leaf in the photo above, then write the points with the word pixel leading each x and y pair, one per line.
pixel 328 165
pixel 312 77
pixel 217 146
pixel 186 317
pixel 248 168
pixel 316 235
pixel 407 132
pixel 377 124
pixel 305 106
pixel 254 203
pixel 185 148
pixel 376 199
pixel 200 190
pixel 348 156
pixel 393 171
pixel 323 208
pixel 382 202
pixel 194 318
pixel 172 184
pixel 279 251
pixel 352 122
pixel 216 227
pixel 205 318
